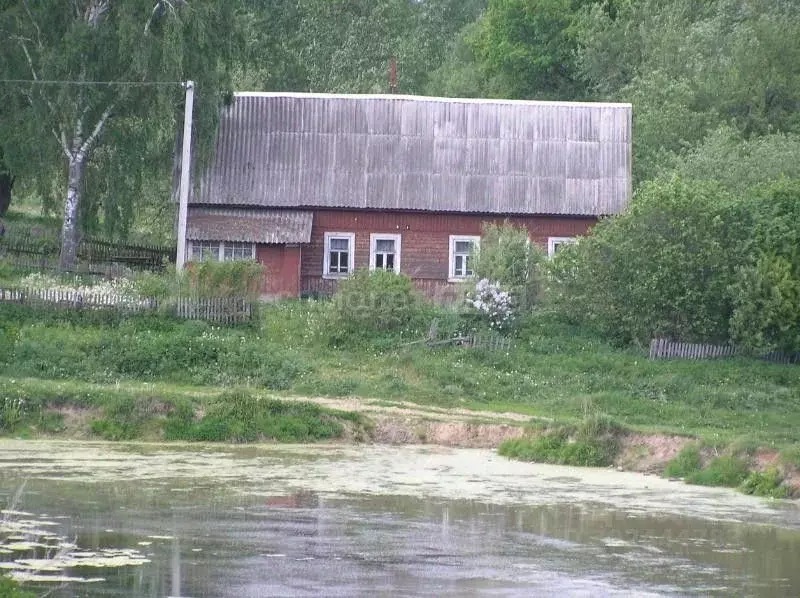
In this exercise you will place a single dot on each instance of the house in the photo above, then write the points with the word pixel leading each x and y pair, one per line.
pixel 314 186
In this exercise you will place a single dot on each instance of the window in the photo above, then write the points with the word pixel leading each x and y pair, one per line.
pixel 204 251
pixel 339 249
pixel 461 248
pixel 384 252
pixel 554 243
pixel 221 251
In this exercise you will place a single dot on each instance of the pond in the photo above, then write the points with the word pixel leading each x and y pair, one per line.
pixel 252 521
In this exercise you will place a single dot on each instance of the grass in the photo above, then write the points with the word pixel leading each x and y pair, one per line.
pixel 11 589
pixel 685 464
pixel 592 443
pixel 729 470
pixel 162 411
pixel 553 371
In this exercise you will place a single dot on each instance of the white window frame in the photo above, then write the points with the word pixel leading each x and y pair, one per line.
pixel 220 246
pixel 373 245
pixel 553 242
pixel 475 240
pixel 351 255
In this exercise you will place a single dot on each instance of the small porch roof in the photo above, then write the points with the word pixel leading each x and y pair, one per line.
pixel 249 225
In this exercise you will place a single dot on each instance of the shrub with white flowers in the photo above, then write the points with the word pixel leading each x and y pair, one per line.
pixel 492 302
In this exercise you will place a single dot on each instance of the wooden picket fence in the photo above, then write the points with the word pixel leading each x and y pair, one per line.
pixel 94 255
pixel 220 310
pixel 491 342
pixel 661 348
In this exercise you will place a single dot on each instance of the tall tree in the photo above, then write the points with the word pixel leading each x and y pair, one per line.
pixel 102 90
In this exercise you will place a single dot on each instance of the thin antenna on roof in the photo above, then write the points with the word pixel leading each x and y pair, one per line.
pixel 393 75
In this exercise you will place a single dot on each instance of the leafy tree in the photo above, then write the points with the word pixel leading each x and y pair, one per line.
pixel 113 136
pixel 662 268
pixel 767 293
pixel 346 45
pixel 739 164
pixel 528 45
pixel 689 67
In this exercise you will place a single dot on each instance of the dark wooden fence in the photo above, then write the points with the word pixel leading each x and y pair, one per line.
pixel 666 349
pixel 94 255
pixel 220 310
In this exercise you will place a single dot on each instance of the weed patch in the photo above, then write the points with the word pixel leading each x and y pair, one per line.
pixel 593 443
pixel 767 483
pixel 685 464
pixel 727 471
pixel 240 417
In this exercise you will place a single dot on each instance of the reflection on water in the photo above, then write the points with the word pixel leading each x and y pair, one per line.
pixel 205 537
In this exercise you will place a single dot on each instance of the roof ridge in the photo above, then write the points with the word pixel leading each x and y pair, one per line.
pixel 419 98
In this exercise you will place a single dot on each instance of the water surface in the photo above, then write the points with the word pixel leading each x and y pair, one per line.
pixel 392 521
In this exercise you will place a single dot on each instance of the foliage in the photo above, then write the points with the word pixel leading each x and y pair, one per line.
pixel 728 471
pixel 767 293
pixel 740 164
pixel 766 483
pixel 529 46
pixel 686 463
pixel 150 348
pixel 12 412
pixel 124 417
pixel 492 303
pixel 347 46
pixel 690 67
pixel 593 443
pixel 373 302
pixel 11 589
pixel 115 136
pixel 555 369
pixel 239 417
pixel 507 256
pixel 224 279
pixel 661 269
pixel 767 312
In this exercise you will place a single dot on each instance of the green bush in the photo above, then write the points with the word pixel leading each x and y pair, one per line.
pixel 664 267
pixel 223 279
pixel 507 256
pixel 369 303
pixel 767 293
pixel 686 463
pixel 723 471
pixel 767 483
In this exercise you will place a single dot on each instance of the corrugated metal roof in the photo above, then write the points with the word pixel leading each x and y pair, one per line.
pixel 420 153
pixel 248 225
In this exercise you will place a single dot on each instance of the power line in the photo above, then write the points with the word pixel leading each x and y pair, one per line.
pixel 67 82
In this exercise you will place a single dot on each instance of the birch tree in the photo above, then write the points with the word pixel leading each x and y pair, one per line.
pixel 102 88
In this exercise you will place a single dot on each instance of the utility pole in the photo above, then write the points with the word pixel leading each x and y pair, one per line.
pixel 186 170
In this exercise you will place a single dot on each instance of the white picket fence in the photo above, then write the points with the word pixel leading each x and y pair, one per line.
pixel 220 310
